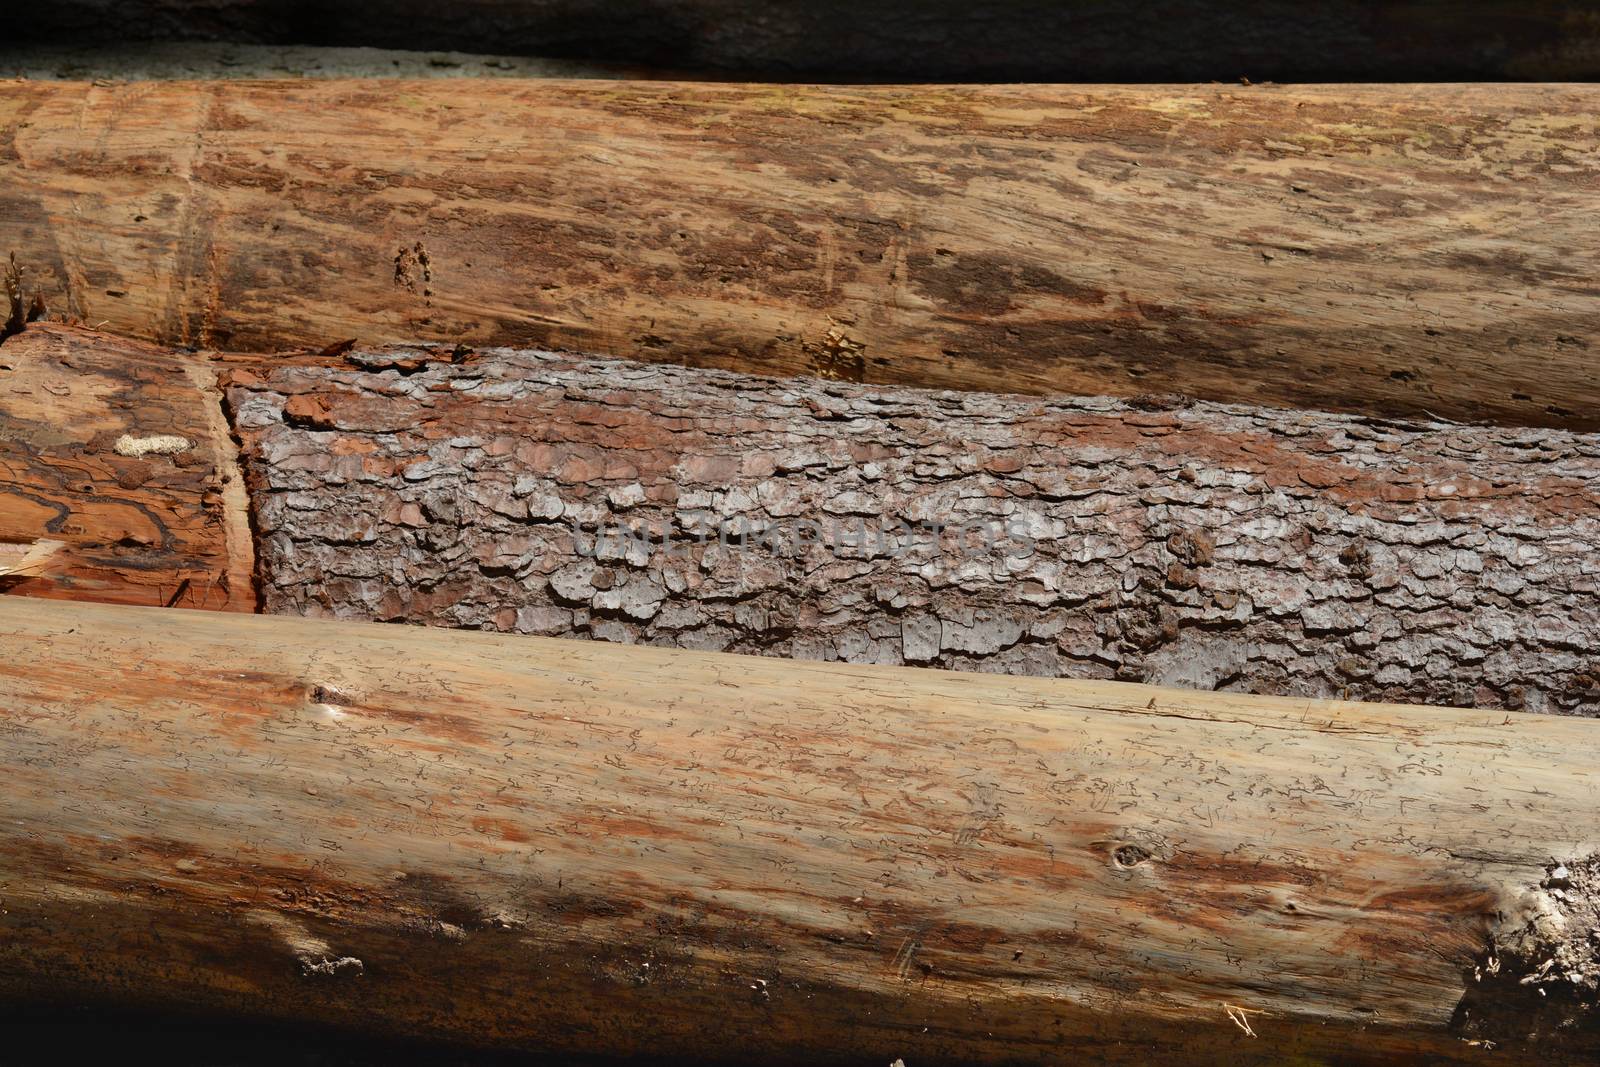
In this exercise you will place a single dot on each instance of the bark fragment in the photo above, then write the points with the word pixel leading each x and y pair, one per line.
pixel 120 452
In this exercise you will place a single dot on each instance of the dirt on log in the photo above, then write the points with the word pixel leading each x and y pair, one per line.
pixel 1157 540
pixel 570 846
pixel 1417 250
pixel 959 40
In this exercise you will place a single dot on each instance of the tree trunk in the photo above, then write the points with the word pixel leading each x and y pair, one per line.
pixel 1395 249
pixel 120 451
pixel 1180 543
pixel 581 847
pixel 1017 40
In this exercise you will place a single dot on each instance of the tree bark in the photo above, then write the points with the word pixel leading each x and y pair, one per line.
pixel 1390 249
pixel 1018 40
pixel 1180 543
pixel 572 846
pixel 120 451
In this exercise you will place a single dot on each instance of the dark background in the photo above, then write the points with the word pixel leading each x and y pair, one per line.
pixel 904 40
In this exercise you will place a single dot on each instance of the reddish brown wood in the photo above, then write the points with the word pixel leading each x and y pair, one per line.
pixel 119 450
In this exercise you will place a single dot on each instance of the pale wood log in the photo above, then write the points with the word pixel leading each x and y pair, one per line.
pixel 963 40
pixel 1189 544
pixel 1371 248
pixel 561 845
pixel 120 452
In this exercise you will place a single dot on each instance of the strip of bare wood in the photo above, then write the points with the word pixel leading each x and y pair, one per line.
pixel 1401 249
pixel 120 452
pixel 576 846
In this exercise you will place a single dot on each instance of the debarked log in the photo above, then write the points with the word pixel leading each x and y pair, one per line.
pixel 1397 249
pixel 1158 540
pixel 578 846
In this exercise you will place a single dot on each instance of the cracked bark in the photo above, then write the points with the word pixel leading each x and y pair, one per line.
pixel 1158 540
pixel 568 846
pixel 1379 249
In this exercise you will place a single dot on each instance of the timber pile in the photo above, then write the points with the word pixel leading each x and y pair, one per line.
pixel 1281 393
pixel 1416 250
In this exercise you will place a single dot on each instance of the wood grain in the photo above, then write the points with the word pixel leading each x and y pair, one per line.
pixel 567 845
pixel 120 450
pixel 1381 249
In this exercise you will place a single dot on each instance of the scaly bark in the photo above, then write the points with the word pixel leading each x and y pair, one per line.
pixel 1393 249
pixel 580 847
pixel 1180 543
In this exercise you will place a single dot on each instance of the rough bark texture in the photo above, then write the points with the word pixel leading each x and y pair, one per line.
pixel 1376 249
pixel 120 451
pixel 1159 540
pixel 963 40
pixel 577 846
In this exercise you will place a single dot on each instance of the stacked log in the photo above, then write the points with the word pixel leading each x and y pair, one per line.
pixel 1193 544
pixel 119 452
pixel 1416 250
pixel 1158 540
pixel 577 846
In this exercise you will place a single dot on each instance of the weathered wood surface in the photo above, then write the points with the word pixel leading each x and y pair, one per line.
pixel 120 451
pixel 1199 545
pixel 1026 40
pixel 1377 249
pixel 555 844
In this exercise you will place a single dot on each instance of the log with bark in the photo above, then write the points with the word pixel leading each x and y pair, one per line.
pixel 1194 544
pixel 1394 249
pixel 1189 544
pixel 575 846
pixel 1018 40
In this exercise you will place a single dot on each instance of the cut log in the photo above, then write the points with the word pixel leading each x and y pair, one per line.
pixel 575 846
pixel 120 452
pixel 1181 543
pixel 1398 249
pixel 1018 40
